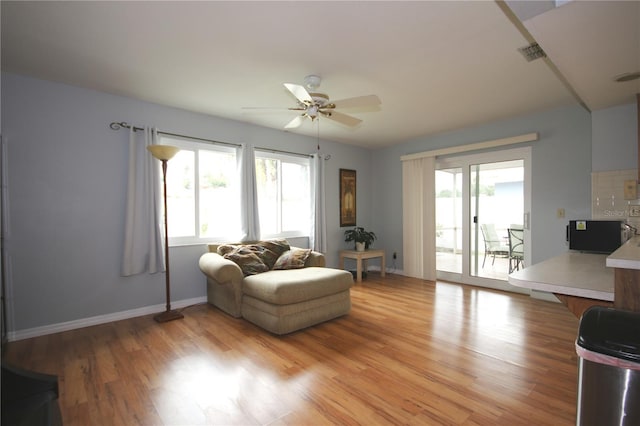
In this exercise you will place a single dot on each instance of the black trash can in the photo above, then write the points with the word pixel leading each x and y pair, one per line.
pixel 608 346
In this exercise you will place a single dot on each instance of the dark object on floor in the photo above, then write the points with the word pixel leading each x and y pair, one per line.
pixel 29 398
pixel 355 274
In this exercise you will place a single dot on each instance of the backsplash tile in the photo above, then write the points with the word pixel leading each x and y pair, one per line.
pixel 607 196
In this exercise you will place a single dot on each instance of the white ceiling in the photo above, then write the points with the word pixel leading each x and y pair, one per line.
pixel 436 66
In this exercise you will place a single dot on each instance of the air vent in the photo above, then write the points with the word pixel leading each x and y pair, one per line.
pixel 532 52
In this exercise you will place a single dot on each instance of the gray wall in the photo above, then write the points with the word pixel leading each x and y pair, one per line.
pixel 572 144
pixel 561 167
pixel 67 175
pixel 615 138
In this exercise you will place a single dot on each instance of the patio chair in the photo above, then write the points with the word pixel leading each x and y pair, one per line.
pixel 516 249
pixel 493 245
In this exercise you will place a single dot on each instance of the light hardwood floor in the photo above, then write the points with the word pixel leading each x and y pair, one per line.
pixel 410 352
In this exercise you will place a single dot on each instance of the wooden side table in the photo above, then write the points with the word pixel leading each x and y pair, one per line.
pixel 359 256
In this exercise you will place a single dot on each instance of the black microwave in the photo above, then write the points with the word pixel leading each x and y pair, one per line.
pixel 597 236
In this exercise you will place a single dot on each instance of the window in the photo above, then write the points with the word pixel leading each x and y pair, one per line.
pixel 202 193
pixel 284 190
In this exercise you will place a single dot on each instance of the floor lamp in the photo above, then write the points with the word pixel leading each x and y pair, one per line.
pixel 164 153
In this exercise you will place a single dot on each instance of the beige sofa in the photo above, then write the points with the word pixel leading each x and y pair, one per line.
pixel 281 296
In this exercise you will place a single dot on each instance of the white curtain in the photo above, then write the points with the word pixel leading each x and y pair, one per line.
pixel 418 218
pixel 318 232
pixel 143 238
pixel 249 217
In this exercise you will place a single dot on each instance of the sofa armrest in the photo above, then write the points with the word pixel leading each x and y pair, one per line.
pixel 315 259
pixel 220 269
pixel 224 283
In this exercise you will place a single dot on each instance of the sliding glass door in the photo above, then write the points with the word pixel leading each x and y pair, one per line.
pixel 496 204
pixel 449 217
pixel 478 198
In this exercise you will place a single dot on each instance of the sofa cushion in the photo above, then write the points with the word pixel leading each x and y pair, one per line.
pixel 282 319
pixel 296 285
pixel 292 259
pixel 247 260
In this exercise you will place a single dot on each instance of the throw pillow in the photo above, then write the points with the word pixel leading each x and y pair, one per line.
pixel 292 259
pixel 247 260
pixel 226 248
pixel 271 250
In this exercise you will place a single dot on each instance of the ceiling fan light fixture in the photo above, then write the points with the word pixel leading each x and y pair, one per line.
pixel 320 99
pixel 312 111
pixel 313 104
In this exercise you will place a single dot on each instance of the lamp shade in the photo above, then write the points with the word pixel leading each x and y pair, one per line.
pixel 163 152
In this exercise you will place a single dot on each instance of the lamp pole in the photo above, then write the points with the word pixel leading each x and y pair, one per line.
pixel 164 153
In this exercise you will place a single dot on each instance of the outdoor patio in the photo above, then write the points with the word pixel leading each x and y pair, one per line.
pixel 498 270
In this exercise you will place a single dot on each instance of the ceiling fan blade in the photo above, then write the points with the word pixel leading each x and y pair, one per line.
pixel 359 101
pixel 345 119
pixel 296 122
pixel 299 92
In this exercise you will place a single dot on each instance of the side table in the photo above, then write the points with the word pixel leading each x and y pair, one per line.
pixel 359 256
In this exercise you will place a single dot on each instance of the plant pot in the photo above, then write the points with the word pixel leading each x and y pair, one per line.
pixel 359 246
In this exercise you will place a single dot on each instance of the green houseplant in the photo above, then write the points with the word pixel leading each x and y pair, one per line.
pixel 360 237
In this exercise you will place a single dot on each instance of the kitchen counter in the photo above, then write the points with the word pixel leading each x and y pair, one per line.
pixel 627 256
pixel 626 265
pixel 580 280
pixel 571 273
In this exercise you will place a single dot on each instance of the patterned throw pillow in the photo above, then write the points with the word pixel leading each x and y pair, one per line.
pixel 292 259
pixel 247 260
pixel 226 248
pixel 271 250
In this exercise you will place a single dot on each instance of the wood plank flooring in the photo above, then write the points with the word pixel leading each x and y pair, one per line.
pixel 410 352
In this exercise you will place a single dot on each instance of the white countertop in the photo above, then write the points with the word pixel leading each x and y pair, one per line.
pixel 627 256
pixel 580 274
pixel 571 273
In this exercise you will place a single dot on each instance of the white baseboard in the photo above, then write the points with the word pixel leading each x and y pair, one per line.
pixel 386 269
pixel 100 319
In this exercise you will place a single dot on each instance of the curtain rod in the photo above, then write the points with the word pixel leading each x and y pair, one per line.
pixel 326 157
pixel 118 125
pixel 279 151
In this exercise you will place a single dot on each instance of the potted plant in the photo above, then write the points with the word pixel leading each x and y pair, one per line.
pixel 363 239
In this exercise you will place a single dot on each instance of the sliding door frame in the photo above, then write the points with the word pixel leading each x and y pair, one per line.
pixel 464 162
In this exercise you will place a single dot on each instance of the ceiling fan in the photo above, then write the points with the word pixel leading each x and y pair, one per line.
pixel 314 104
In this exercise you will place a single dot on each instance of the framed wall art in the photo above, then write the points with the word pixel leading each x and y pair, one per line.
pixel 347 197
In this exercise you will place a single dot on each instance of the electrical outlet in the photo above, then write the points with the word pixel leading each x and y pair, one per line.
pixel 395 256
pixel 630 189
pixel 634 211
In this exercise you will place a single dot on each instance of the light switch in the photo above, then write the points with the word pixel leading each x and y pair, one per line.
pixel 560 213
pixel 634 211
